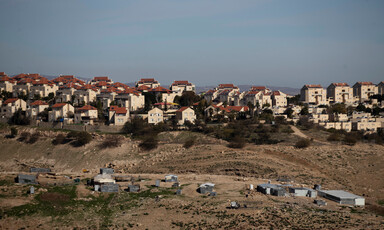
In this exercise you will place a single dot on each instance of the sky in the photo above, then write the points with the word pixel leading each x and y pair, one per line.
pixel 208 42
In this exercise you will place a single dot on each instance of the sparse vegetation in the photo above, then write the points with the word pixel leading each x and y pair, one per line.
pixel 111 141
pixel 149 143
pixel 59 139
pixel 303 143
pixel 79 138
pixel 189 142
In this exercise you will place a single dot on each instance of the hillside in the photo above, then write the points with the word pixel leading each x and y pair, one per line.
pixel 357 169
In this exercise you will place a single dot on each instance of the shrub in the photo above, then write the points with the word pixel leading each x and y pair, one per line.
pixel 14 131
pixel 303 143
pixel 33 138
pixel 350 139
pixel 80 138
pixel 24 136
pixel 111 141
pixel 149 143
pixel 189 143
pixel 334 137
pixel 237 143
pixel 60 139
pixel 286 129
pixel 83 138
pixel 19 118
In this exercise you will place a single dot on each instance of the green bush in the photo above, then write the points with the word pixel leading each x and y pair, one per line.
pixel 334 137
pixel 350 139
pixel 111 141
pixel 24 136
pixel 303 143
pixel 33 138
pixel 80 138
pixel 149 143
pixel 237 143
pixel 189 143
pixel 59 139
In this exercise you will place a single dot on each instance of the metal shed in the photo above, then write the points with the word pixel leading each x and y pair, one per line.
pixel 109 188
pixel 26 179
pixel 107 171
pixel 170 178
pixel 133 188
pixel 206 188
pixel 40 170
pixel 303 192
pixel 343 197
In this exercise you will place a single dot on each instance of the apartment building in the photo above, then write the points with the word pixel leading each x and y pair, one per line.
pixel 340 93
pixel 313 94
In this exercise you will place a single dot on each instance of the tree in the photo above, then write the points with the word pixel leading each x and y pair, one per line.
pixel 338 108
pixel 289 112
pixel 187 98
pixel 304 111
pixel 361 108
pixel 19 118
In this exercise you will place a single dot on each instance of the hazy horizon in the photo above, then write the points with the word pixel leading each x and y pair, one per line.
pixel 265 42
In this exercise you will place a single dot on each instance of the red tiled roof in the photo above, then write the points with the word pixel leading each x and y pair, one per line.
pixel 2 73
pixel 365 83
pixel 118 110
pixel 210 92
pixel 5 78
pixel 38 102
pixel 160 89
pixel 101 79
pixel 59 105
pixel 276 93
pixel 340 84
pixel 10 100
pixel 182 109
pixel 258 88
pixel 181 83
pixel 143 87
pixel 221 86
pixel 313 86
pixel 147 80
pixel 86 108
pixel 238 108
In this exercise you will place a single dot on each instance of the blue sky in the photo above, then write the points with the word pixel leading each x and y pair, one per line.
pixel 260 42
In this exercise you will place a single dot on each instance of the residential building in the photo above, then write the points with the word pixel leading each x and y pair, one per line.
pixel 97 80
pixel 363 90
pixel 118 115
pixel 279 99
pixel 11 105
pixel 86 115
pixel 36 107
pixel 6 83
pixel 85 95
pixel 313 94
pixel 380 88
pixel 61 111
pixel 149 82
pixel 155 116
pixel 182 86
pixel 340 93
pixel 185 114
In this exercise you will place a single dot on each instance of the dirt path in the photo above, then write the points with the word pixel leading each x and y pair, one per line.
pixel 297 132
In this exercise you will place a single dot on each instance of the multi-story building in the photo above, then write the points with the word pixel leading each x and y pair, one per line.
pixel 6 83
pixel 155 116
pixel 61 111
pixel 380 88
pixel 36 107
pixel 185 114
pixel 363 90
pixel 313 94
pixel 279 99
pixel 150 82
pixel 179 87
pixel 11 105
pixel 340 93
pixel 118 115
pixel 86 115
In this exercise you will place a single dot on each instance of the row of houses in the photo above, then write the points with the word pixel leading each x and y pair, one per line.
pixel 340 93
pixel 259 96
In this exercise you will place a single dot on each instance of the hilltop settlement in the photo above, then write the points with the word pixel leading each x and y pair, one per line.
pixel 67 100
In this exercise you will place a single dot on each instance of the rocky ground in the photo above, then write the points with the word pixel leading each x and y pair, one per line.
pixel 357 169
